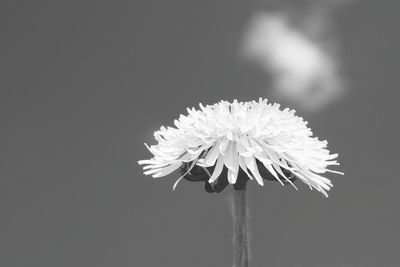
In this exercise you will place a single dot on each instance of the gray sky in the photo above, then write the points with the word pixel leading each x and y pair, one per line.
pixel 85 83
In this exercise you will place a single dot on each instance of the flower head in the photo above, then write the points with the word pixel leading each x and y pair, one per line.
pixel 249 140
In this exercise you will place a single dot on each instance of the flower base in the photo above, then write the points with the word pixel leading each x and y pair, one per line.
pixel 200 174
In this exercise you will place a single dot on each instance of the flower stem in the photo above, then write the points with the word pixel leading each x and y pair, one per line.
pixel 240 244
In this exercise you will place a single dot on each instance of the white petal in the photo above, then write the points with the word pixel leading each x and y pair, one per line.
pixel 180 178
pixel 230 157
pixel 232 176
pixel 242 150
pixel 279 170
pixel 212 155
pixel 166 170
pixel 147 161
pixel 272 171
pixel 251 164
pixel 234 170
pixel 242 165
pixel 223 146
pixel 218 169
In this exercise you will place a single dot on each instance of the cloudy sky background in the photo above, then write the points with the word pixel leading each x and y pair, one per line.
pixel 85 83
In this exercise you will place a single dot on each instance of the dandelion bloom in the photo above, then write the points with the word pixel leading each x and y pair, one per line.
pixel 250 140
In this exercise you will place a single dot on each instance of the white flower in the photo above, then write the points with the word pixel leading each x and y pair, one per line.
pixel 242 135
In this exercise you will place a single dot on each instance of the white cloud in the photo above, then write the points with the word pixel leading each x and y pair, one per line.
pixel 302 69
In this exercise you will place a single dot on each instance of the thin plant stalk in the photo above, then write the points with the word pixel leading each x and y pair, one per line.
pixel 240 244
